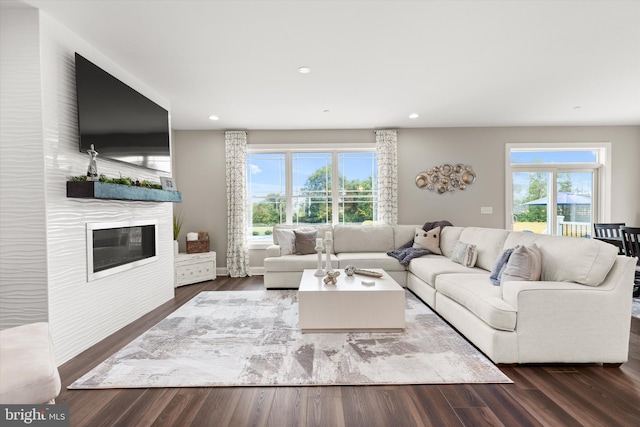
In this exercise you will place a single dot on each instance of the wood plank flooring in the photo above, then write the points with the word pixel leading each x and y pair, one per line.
pixel 542 395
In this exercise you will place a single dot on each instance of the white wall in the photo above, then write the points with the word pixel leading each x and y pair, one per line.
pixel 203 186
pixel 484 149
pixel 23 256
pixel 199 157
pixel 80 313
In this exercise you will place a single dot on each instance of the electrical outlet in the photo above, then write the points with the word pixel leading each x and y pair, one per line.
pixel 486 209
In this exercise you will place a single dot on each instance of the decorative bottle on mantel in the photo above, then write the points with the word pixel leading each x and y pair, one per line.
pixel 92 170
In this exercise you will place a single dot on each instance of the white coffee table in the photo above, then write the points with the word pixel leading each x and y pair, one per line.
pixel 349 305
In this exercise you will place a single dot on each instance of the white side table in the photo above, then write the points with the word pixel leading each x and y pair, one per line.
pixel 194 268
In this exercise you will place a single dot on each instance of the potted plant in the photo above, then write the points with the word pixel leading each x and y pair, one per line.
pixel 177 226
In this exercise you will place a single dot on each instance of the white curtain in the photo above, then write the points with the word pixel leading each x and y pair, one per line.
pixel 387 152
pixel 236 168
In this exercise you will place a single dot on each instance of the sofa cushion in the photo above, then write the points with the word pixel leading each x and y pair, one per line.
pixel 525 263
pixel 296 262
pixel 489 242
pixel 569 259
pixel 428 267
pixel 449 236
pixel 356 238
pixel 403 235
pixel 479 296
pixel 368 260
pixel 429 240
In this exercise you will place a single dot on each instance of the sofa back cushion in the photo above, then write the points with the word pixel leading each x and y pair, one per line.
pixel 403 234
pixel 449 236
pixel 362 238
pixel 489 244
pixel 569 259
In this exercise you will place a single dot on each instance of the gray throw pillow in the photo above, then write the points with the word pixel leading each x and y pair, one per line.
pixel 525 263
pixel 305 242
pixel 499 266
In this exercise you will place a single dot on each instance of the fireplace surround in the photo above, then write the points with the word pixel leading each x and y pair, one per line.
pixel 113 247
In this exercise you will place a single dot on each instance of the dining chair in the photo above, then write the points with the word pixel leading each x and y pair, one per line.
pixel 610 233
pixel 631 246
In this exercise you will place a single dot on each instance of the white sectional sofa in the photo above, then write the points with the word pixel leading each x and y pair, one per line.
pixel 578 312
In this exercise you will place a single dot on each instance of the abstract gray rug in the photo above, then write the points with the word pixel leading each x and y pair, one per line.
pixel 251 338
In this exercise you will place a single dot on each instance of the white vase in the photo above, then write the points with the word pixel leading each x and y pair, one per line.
pixel 175 247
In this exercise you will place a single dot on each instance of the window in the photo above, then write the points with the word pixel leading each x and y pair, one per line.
pixel 296 187
pixel 266 185
pixel 557 189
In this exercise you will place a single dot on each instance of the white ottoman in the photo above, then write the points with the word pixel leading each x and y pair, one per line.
pixel 28 372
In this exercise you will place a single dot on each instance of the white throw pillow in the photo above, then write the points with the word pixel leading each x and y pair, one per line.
pixel 525 263
pixel 429 240
pixel 286 238
pixel 465 254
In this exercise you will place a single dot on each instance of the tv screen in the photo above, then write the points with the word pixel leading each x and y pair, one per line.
pixel 121 123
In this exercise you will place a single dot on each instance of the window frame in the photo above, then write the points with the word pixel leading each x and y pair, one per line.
pixel 601 169
pixel 288 150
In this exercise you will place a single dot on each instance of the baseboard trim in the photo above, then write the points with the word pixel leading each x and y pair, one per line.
pixel 256 271
pixel 253 271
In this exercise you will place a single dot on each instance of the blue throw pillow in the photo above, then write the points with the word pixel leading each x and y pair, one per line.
pixel 499 266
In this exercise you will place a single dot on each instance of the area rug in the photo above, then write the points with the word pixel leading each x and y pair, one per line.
pixel 251 338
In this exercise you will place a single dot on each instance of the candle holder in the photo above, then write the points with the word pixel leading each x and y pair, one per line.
pixel 327 268
pixel 319 272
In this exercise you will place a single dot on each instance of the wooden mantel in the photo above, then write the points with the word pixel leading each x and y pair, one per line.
pixel 108 191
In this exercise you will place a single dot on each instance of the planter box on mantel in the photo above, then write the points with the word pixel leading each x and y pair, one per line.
pixel 105 190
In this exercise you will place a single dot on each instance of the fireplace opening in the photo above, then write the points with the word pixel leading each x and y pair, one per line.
pixel 113 247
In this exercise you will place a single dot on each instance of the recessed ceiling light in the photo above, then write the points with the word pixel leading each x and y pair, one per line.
pixel 304 70
pixel 214 118
pixel 414 115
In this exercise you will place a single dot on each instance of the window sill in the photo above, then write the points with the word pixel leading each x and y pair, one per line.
pixel 259 245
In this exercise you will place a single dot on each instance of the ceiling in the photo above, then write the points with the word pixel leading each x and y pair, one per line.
pixel 455 63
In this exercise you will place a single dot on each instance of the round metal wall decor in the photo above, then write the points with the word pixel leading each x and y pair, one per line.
pixel 446 177
pixel 422 180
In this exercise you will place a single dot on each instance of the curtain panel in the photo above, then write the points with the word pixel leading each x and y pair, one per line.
pixel 387 153
pixel 236 171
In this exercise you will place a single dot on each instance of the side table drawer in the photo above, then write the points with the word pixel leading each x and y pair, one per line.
pixel 195 258
pixel 194 273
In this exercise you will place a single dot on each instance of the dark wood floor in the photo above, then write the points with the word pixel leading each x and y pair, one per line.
pixel 550 395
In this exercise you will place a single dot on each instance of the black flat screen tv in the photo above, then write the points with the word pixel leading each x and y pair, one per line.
pixel 120 122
